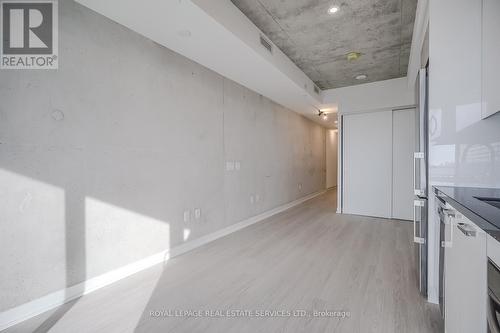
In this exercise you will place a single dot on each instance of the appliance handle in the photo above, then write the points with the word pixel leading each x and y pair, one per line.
pixel 414 178
pixel 447 214
pixel 416 204
pixel 416 156
pixel 441 214
pixel 450 243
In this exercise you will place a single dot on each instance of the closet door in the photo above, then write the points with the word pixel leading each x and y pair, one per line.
pixel 403 146
pixel 368 164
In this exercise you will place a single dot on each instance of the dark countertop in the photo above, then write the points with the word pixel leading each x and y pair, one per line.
pixel 464 199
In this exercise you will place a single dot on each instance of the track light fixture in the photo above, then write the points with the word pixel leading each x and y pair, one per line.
pixel 322 114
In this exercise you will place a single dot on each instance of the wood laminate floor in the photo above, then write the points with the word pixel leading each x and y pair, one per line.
pixel 307 258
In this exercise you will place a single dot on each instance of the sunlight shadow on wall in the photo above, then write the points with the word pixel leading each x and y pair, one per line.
pixel 33 236
pixel 120 238
pixel 116 236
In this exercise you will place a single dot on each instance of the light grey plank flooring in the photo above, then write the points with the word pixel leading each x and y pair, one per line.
pixel 306 258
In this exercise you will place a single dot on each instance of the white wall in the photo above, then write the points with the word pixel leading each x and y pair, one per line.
pixel 371 96
pixel 100 159
pixel 464 150
pixel 331 158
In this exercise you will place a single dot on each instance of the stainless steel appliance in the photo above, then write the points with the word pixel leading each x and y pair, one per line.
pixel 493 312
pixel 420 210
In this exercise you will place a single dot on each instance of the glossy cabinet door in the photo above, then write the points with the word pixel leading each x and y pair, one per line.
pixel 491 58
pixel 465 283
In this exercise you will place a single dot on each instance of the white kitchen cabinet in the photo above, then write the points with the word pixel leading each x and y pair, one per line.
pixel 465 271
pixel 490 58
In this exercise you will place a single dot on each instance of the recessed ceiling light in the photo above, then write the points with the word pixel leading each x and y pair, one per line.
pixel 361 77
pixel 333 10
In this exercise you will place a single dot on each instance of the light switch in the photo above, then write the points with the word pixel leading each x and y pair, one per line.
pixel 257 198
pixel 229 165
pixel 237 165
pixel 300 186
pixel 252 200
pixel 186 216
pixel 197 213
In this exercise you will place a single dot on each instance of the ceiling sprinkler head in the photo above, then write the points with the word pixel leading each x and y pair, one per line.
pixel 352 56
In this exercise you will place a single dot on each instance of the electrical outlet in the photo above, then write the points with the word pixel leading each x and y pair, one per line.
pixel 252 199
pixel 300 186
pixel 197 213
pixel 186 216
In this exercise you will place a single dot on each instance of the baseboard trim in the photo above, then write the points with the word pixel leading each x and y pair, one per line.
pixel 38 306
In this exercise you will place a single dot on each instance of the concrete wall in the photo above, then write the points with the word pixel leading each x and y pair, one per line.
pixel 100 159
pixel 217 35
pixel 331 158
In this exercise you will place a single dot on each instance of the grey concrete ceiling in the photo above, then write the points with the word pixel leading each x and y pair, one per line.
pixel 381 30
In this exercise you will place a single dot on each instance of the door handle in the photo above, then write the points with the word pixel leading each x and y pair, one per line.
pixel 417 204
pixel 416 157
pixel 449 243
pixel 445 213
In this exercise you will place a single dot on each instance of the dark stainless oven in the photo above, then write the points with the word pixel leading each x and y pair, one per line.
pixel 493 313
pixel 442 224
pixel 445 234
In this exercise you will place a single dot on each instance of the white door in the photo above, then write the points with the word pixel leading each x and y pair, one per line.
pixel 403 147
pixel 368 164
